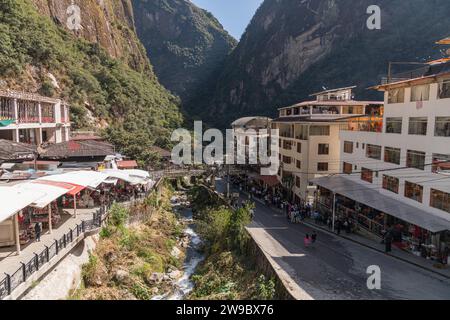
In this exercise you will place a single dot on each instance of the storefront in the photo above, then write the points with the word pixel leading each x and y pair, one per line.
pixel 412 229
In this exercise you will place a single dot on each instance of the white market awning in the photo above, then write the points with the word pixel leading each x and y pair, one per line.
pixel 122 175
pixel 12 200
pixel 138 173
pixel 50 192
pixel 91 179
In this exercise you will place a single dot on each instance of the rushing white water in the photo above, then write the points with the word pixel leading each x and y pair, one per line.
pixel 183 286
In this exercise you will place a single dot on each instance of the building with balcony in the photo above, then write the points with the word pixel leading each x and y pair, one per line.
pixel 398 179
pixel 309 137
pixel 33 119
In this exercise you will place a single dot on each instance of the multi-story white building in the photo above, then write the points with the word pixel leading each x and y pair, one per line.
pixel 399 178
pixel 309 137
pixel 33 119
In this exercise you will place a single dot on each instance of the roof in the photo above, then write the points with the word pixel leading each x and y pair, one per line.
pixel 78 149
pixel 10 150
pixel 13 200
pixel 383 203
pixel 88 178
pixel 160 151
pixel 315 119
pixel 127 164
pixel 332 90
pixel 51 191
pixel 251 121
pixel 332 103
pixel 27 96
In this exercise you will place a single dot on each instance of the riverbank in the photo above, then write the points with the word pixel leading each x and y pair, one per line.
pixel 138 260
pixel 228 271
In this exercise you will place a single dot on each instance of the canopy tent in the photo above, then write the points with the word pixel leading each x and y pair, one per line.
pixel 13 200
pixel 87 179
pixel 383 203
pixel 122 175
pixel 138 173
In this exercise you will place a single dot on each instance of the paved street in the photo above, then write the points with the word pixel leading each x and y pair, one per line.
pixel 335 268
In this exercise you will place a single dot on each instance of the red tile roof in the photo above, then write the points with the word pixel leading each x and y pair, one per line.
pixel 127 164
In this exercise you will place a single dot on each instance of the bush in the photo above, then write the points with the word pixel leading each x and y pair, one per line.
pixel 265 289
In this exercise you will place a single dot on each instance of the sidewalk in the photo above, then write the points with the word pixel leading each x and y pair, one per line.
pixel 396 253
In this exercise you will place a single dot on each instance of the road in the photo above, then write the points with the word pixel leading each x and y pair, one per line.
pixel 336 268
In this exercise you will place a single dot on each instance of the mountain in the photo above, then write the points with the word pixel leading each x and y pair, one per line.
pixel 102 70
pixel 186 44
pixel 293 48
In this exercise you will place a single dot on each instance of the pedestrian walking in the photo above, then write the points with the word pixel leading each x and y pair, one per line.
pixel 445 256
pixel 388 242
pixel 307 240
pixel 338 227
pixel 37 231
pixel 313 237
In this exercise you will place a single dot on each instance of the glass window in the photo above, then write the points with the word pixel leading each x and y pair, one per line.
pixel 396 95
pixel 299 147
pixel 324 149
pixel 414 191
pixel 392 155
pixel 322 166
pixel 287 145
pixel 391 183
pixel 287 160
pixel 394 125
pixel 348 168
pixel 297 182
pixel 440 200
pixel 444 89
pixel 367 175
pixel 348 147
pixel 415 159
pixel 302 133
pixel 319 131
pixel 418 126
pixel 373 152
pixel 289 112
pixel 299 164
pixel 420 92
pixel 442 128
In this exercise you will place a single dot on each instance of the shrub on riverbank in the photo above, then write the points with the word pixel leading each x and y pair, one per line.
pixel 226 273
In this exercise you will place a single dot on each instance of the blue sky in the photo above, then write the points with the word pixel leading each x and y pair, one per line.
pixel 234 15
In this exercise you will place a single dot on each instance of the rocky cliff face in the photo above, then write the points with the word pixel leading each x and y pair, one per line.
pixel 293 48
pixel 185 43
pixel 109 23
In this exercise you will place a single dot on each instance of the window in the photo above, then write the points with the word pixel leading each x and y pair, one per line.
pixel 297 182
pixel 367 175
pixel 299 164
pixel 415 159
pixel 420 92
pixel 440 200
pixel 299 147
pixel 442 128
pixel 348 168
pixel 322 166
pixel 418 126
pixel 444 89
pixel 396 95
pixel 394 125
pixel 287 145
pixel 324 149
pixel 319 131
pixel 373 152
pixel 289 112
pixel 302 133
pixel 441 163
pixel 391 183
pixel 392 155
pixel 414 191
pixel 287 160
pixel 348 147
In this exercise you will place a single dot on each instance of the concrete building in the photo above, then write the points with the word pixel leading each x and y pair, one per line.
pixel 399 178
pixel 33 119
pixel 309 137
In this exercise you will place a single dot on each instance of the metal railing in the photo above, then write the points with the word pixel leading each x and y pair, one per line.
pixel 13 280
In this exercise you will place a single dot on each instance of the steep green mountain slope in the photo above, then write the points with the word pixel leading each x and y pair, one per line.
pixel 118 92
pixel 293 48
pixel 185 43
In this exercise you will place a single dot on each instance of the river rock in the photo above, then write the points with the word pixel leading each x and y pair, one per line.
pixel 121 275
pixel 111 257
pixel 175 252
pixel 156 278
pixel 174 275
